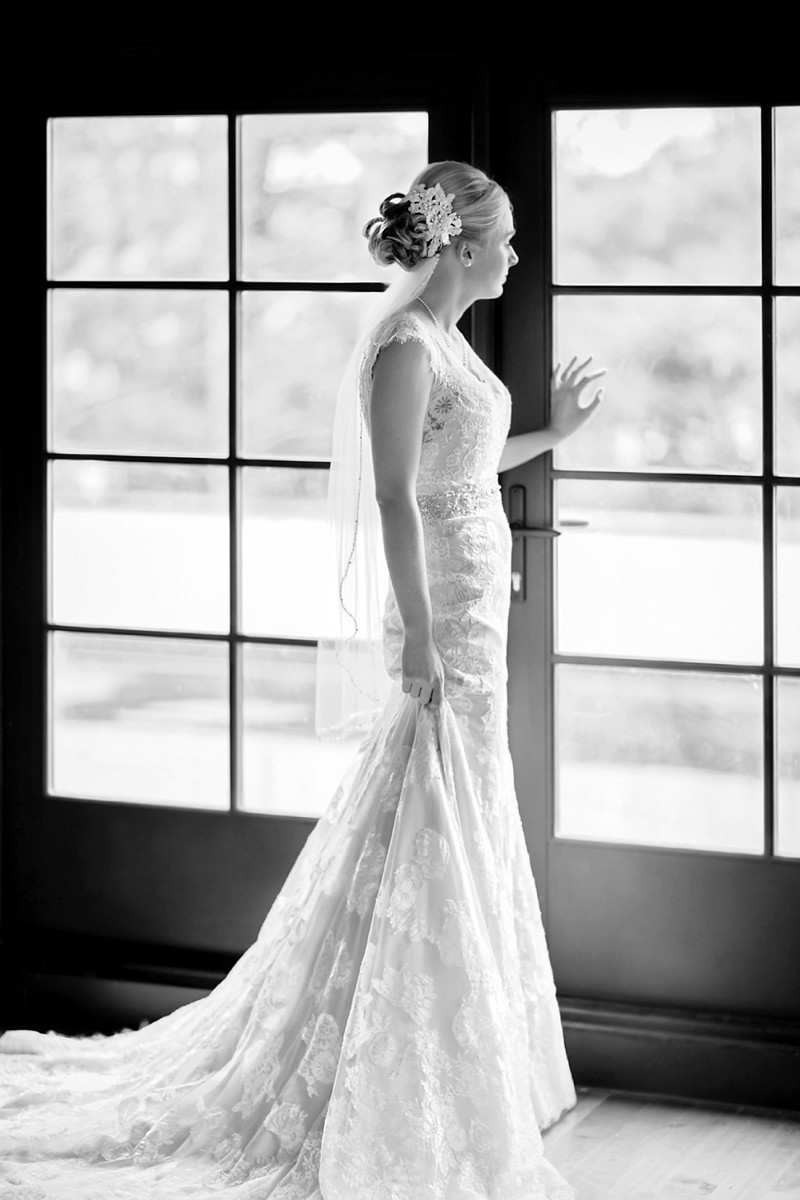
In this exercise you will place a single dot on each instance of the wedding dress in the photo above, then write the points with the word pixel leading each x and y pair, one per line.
pixel 393 1033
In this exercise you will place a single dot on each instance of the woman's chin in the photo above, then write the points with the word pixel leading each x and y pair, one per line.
pixel 492 293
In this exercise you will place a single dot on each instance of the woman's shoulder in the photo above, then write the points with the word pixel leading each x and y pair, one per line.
pixel 404 327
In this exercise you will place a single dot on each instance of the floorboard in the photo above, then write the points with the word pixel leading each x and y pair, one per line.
pixel 623 1146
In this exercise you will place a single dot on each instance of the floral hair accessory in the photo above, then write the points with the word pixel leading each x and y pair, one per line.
pixel 441 222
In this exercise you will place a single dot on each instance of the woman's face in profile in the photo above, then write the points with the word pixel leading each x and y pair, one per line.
pixel 494 257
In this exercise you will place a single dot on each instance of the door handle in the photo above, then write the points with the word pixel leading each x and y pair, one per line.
pixel 527 531
pixel 520 532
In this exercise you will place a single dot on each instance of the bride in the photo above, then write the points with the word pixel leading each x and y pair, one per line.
pixel 393 1033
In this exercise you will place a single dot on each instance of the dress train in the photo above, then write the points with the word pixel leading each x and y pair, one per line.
pixel 391 1033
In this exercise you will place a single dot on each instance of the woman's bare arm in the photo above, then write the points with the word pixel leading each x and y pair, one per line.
pixel 524 446
pixel 567 416
pixel 401 388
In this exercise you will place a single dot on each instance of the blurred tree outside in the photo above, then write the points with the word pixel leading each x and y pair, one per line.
pixel 311 181
pixel 139 198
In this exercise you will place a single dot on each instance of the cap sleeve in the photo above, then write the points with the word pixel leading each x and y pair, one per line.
pixel 399 327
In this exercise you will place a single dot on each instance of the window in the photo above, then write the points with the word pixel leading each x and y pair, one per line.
pixel 677 660
pixel 206 279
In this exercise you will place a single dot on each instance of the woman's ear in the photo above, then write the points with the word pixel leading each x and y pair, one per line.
pixel 465 254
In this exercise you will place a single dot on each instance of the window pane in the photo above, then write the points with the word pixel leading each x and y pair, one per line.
pixel 287 769
pixel 658 196
pixel 139 372
pixel 683 384
pixel 787 195
pixel 310 181
pixel 139 198
pixel 296 346
pixel 659 570
pixel 660 758
pixel 787 698
pixel 787 432
pixel 287 568
pixel 788 575
pixel 139 719
pixel 140 545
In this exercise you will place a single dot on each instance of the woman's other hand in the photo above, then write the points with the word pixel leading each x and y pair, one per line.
pixel 566 413
pixel 423 671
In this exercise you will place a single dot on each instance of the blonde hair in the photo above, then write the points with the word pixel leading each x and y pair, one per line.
pixel 396 236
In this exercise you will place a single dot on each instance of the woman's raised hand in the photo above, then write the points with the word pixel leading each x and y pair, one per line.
pixel 423 672
pixel 566 413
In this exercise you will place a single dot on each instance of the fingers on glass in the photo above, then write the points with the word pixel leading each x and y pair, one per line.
pixel 575 379
pixel 571 372
pixel 580 384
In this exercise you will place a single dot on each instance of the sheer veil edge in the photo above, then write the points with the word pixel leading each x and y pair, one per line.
pixel 352 681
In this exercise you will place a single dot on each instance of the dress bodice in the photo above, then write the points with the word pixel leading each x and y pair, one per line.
pixel 468 414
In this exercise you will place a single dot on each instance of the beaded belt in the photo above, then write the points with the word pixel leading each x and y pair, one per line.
pixel 462 501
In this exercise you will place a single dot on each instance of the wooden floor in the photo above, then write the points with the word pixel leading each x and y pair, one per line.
pixel 620 1146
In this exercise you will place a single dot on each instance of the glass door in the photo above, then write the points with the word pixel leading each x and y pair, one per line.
pixel 660 637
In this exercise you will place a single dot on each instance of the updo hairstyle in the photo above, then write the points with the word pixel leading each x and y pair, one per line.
pixel 398 235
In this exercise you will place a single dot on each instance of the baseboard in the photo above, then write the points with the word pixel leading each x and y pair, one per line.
pixel 710 1057
pixel 80 1005
pixel 79 986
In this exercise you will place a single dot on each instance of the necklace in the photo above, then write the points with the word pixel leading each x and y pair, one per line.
pixel 446 336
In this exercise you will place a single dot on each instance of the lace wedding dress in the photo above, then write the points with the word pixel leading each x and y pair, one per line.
pixel 393 1033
